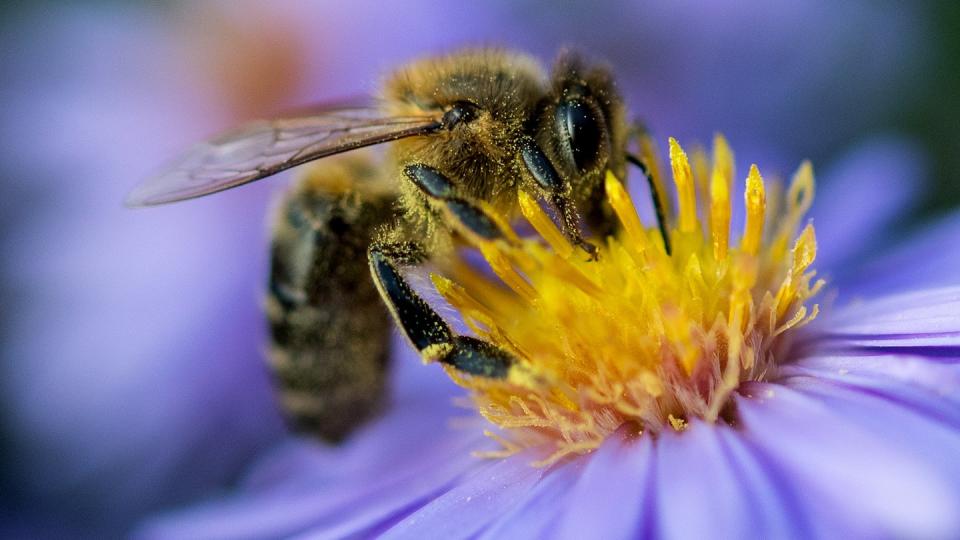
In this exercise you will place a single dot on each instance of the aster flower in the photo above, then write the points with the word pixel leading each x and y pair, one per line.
pixel 114 423
pixel 698 393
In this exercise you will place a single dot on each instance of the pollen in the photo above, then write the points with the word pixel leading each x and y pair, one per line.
pixel 640 339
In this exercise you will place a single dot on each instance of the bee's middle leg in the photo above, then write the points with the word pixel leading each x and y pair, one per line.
pixel 421 324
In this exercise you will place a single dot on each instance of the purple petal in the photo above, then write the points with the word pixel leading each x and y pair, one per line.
pixel 926 385
pixel 466 509
pixel 613 499
pixel 923 319
pixel 388 468
pixel 849 210
pixel 928 258
pixel 924 405
pixel 547 502
pixel 331 507
pixel 775 505
pixel 708 485
pixel 859 475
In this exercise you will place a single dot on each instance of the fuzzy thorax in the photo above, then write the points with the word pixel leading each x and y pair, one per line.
pixel 640 338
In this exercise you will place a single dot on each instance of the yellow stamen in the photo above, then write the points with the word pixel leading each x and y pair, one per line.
pixel 700 164
pixel 505 271
pixel 651 156
pixel 687 195
pixel 544 227
pixel 638 338
pixel 625 210
pixel 720 180
pixel 756 206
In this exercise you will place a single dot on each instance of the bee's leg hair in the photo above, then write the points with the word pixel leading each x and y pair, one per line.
pixel 424 327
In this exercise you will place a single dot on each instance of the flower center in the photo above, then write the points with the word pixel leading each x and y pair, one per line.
pixel 639 337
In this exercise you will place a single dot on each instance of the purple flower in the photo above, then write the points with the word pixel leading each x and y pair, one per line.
pixel 853 434
pixel 132 374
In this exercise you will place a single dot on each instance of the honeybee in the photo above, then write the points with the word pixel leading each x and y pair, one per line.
pixel 466 132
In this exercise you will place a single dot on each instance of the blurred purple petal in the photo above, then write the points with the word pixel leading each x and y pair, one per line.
pixel 466 509
pixel 702 494
pixel 926 381
pixel 923 426
pixel 774 502
pixel 927 387
pixel 859 198
pixel 906 321
pixel 880 480
pixel 537 515
pixel 334 508
pixel 620 476
pixel 405 456
pixel 929 257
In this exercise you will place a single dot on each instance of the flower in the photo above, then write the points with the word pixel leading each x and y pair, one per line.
pixel 850 428
pixel 646 335
pixel 135 381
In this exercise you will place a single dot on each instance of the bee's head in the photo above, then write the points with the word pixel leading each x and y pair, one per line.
pixel 579 123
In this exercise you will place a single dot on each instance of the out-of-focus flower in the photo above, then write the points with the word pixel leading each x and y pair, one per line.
pixel 658 395
pixel 96 345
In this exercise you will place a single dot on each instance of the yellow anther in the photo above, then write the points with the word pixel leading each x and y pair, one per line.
pixel 720 180
pixel 805 250
pixel 544 225
pixel 504 270
pixel 651 156
pixel 686 191
pixel 756 207
pixel 800 193
pixel 723 162
pixel 637 337
pixel 626 212
pixel 719 214
pixel 700 164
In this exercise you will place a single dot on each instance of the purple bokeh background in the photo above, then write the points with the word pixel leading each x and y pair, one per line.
pixel 132 341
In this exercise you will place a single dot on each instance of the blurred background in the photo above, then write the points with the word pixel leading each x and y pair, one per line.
pixel 132 341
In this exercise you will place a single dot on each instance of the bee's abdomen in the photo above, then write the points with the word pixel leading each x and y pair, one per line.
pixel 329 329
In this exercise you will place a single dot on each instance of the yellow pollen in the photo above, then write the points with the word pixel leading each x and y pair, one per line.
pixel 756 203
pixel 686 190
pixel 638 338
pixel 720 197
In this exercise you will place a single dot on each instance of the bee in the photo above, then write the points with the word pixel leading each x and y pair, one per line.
pixel 467 131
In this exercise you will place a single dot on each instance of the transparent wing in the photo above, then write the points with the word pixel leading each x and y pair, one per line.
pixel 263 148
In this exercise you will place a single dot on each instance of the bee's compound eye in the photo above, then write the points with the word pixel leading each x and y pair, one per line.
pixel 577 121
pixel 460 111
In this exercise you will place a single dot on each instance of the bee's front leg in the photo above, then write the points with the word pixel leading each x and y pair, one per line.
pixel 557 191
pixel 421 324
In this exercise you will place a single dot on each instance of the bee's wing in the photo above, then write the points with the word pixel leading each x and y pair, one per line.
pixel 266 147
